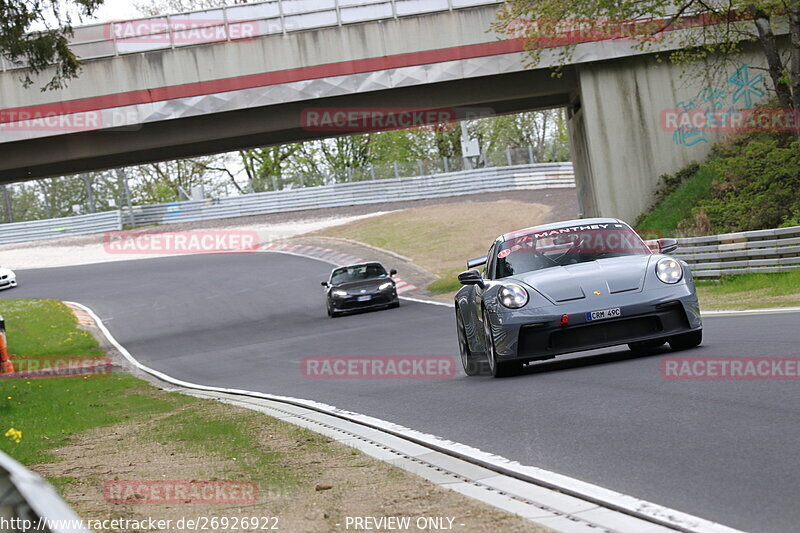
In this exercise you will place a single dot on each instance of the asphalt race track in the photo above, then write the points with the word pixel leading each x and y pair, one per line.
pixel 722 450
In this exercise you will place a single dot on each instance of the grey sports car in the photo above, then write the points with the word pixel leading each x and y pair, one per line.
pixel 572 286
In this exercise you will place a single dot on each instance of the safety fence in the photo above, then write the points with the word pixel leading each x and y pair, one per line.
pixel 518 177
pixel 769 250
pixel 58 227
pixel 521 177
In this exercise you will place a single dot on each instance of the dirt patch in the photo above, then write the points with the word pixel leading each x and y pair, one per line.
pixel 298 464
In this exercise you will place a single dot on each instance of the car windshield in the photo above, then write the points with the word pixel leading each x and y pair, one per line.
pixel 357 273
pixel 526 252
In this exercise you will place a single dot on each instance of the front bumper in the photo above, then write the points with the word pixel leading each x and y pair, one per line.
pixel 8 283
pixel 351 303
pixel 530 334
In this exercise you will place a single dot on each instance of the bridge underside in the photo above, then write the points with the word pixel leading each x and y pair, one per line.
pixel 268 125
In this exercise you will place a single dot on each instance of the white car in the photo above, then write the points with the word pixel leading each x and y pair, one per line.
pixel 7 278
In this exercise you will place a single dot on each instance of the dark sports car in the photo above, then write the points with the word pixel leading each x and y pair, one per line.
pixel 572 286
pixel 359 287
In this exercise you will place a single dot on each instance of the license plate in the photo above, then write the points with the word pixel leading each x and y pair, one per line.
pixel 364 298
pixel 604 314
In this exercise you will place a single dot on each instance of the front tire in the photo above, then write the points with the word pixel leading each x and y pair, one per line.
pixel 331 312
pixel 472 365
pixel 499 369
pixel 687 340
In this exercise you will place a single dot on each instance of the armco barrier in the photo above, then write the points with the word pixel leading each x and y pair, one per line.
pixel 769 250
pixel 58 227
pixel 28 499
pixel 494 179
pixel 520 177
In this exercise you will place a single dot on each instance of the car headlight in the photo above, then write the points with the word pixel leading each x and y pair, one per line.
pixel 668 270
pixel 339 293
pixel 513 296
pixel 385 286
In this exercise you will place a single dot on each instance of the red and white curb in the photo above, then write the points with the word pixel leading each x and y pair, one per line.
pixel 84 319
pixel 329 256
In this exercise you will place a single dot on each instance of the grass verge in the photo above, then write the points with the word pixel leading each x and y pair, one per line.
pixel 748 291
pixel 45 328
pixel 86 431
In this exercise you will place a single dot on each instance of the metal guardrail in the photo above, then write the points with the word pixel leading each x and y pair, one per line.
pixel 770 250
pixel 520 177
pixel 25 496
pixel 59 227
pixel 495 179
pixel 240 21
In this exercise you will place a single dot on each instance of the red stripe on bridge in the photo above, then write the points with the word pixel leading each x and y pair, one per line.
pixel 263 79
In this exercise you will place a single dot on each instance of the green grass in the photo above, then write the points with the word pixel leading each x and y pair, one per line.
pixel 49 411
pixel 45 328
pixel 780 284
pixel 665 216
pixel 447 283
pixel 202 431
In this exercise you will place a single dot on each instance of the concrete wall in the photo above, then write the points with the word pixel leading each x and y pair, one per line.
pixel 625 149
pixel 205 62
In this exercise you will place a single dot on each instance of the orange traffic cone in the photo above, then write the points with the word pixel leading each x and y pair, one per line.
pixel 6 366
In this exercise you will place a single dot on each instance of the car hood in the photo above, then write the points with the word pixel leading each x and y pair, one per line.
pixel 573 282
pixel 5 271
pixel 362 284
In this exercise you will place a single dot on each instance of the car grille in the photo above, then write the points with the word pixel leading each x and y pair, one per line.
pixel 3 277
pixel 539 339
pixel 351 302
pixel 607 333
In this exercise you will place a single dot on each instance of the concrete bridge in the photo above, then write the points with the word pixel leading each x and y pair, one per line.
pixel 288 70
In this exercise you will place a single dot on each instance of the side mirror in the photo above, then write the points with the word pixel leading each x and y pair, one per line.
pixel 392 272
pixel 471 277
pixel 667 246
pixel 324 283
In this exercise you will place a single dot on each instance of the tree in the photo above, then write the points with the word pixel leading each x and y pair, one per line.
pixel 711 32
pixel 265 167
pixel 37 32
pixel 164 181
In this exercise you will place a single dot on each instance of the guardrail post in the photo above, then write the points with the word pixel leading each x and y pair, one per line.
pixel 282 17
pixel 7 207
pixel 6 366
